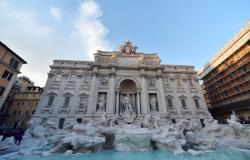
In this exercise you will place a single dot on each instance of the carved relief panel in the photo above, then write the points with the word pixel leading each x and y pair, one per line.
pixel 151 82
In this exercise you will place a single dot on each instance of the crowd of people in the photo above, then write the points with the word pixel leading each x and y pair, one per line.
pixel 16 133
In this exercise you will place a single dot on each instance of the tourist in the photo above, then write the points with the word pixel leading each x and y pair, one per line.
pixel 18 136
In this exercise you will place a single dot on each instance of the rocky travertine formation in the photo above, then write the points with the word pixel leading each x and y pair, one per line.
pixel 144 135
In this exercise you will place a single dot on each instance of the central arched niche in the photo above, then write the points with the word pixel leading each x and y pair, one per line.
pixel 128 88
pixel 128 85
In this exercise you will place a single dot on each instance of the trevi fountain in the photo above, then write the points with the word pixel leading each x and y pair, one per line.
pixel 127 105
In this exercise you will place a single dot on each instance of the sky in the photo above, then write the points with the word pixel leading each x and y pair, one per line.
pixel 185 32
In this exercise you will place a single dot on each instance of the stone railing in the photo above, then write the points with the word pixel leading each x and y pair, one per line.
pixel 186 112
pixel 48 109
pixel 64 109
pixel 81 110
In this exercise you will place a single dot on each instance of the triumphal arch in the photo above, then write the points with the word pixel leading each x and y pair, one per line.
pixel 125 84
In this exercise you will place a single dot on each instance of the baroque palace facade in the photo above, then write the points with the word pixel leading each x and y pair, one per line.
pixel 121 83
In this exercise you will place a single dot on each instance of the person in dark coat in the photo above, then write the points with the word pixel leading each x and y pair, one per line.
pixel 18 136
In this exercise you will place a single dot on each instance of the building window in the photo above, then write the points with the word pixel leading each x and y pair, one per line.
pixel 225 94
pixel 19 113
pixel 72 78
pixel 51 99
pixel 58 77
pixel 173 121
pixel 61 123
pixel 26 113
pixel 1 90
pixel 7 75
pixel 170 104
pixel 22 124
pixel 14 63
pixel 183 102
pixel 244 68
pixel 14 113
pixel 33 112
pixel 196 101
pixel 237 89
pixel 66 101
pixel 79 120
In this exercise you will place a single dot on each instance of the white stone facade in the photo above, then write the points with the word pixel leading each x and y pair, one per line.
pixel 124 83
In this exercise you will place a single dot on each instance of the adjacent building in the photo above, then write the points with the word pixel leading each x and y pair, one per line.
pixel 123 83
pixel 10 64
pixel 23 106
pixel 226 78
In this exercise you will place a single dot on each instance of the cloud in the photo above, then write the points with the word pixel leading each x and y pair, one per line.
pixel 56 14
pixel 90 29
pixel 22 31
pixel 37 42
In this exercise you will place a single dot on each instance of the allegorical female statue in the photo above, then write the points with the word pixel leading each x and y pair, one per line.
pixel 101 103
pixel 153 103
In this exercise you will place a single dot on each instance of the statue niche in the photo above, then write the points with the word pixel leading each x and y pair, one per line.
pixel 153 102
pixel 101 104
pixel 128 97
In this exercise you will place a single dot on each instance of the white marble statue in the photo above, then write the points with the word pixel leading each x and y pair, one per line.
pixel 101 103
pixel 128 106
pixel 153 103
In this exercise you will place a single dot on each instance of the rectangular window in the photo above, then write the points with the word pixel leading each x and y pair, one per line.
pixel 237 89
pixel 197 103
pixel 66 101
pixel 61 123
pixel 7 75
pixel 1 90
pixel 51 99
pixel 14 63
pixel 79 120
pixel 183 102
pixel 244 68
pixel 170 105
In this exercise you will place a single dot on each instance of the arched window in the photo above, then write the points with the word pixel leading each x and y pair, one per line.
pixel 67 99
pixel 196 102
pixel 51 98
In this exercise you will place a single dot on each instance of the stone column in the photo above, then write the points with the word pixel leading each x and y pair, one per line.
pixel 138 103
pixel 117 103
pixel 111 95
pixel 161 95
pixel 92 96
pixel 144 95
